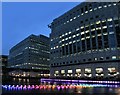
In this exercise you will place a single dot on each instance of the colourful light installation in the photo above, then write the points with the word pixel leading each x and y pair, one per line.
pixel 79 81
pixel 72 86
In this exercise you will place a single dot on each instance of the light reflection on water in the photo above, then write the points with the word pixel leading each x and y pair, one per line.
pixel 27 85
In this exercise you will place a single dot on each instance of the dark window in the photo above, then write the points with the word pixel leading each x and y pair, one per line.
pixel 63 51
pixel 98 25
pixel 92 26
pixel 87 28
pixel 74 47
pixel 78 46
pixel 107 57
pixel 82 10
pixel 105 30
pixel 98 31
pixel 66 49
pixel 97 16
pixel 82 30
pixel 88 44
pixel 91 18
pixel 81 21
pixel 101 58
pixel 105 41
pixel 93 33
pixel 103 23
pixel 70 48
pixel 83 35
pixel 86 9
pixel 84 60
pixel 86 20
pixel 90 6
pixel 83 45
pixel 89 59
pixel 87 34
pixel 63 62
pixel 75 61
pixel 117 28
pixel 93 43
pixel 99 42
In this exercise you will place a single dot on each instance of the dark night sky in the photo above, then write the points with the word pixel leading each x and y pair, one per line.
pixel 21 19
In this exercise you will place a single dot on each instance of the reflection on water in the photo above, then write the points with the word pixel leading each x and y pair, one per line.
pixel 34 85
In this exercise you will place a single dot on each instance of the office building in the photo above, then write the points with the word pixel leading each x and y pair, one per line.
pixel 4 63
pixel 85 41
pixel 32 53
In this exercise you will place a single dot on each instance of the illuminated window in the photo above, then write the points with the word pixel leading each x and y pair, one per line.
pixel 88 70
pixel 62 71
pixel 51 39
pixel 78 34
pixel 112 71
pixel 66 33
pixel 71 19
pixel 87 37
pixel 114 57
pixel 112 32
pixel 93 29
pixel 83 39
pixel 77 29
pixel 60 36
pixel 78 70
pixel 91 10
pixel 86 12
pixel 98 22
pixel 114 4
pixel 66 39
pixel 100 7
pixel 104 27
pixel 69 32
pixel 56 72
pixel 63 40
pixel 67 21
pixel 74 36
pixel 99 70
pixel 63 35
pixel 56 46
pixel 87 31
pixel 69 71
pixel 110 19
pixel 110 25
pixel 82 14
pixel 82 27
pixel 109 5
pixel 82 33
pixel 95 8
pixel 105 6
pixel 105 34
pixel 74 18
pixel 74 41
pixel 99 35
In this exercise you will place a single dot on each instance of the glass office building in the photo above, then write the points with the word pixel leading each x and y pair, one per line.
pixel 32 53
pixel 85 41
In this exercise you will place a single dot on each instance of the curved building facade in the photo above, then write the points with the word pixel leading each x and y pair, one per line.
pixel 85 41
